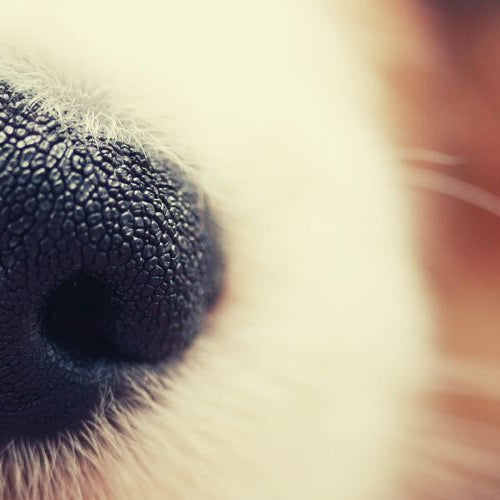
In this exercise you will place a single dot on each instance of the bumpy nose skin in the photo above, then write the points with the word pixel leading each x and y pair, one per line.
pixel 107 259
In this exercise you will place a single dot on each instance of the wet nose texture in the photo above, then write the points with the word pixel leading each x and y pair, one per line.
pixel 108 259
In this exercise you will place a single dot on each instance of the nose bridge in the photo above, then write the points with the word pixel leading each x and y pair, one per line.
pixel 107 256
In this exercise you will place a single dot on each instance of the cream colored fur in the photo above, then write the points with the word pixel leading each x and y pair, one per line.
pixel 300 386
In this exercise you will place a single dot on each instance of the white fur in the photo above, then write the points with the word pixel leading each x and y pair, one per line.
pixel 298 387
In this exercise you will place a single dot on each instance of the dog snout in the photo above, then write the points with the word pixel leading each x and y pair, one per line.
pixel 109 258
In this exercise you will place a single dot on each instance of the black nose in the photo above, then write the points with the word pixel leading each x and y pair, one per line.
pixel 108 259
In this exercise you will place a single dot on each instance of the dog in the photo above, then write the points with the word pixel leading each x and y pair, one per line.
pixel 338 161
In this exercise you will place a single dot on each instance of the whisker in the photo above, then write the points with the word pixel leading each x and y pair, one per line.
pixel 429 156
pixel 448 185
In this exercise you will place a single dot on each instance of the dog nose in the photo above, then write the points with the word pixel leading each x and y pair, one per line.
pixel 109 260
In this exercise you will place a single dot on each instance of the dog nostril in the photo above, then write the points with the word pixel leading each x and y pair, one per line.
pixel 79 318
pixel 108 259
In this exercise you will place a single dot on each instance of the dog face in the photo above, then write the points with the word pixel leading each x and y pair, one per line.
pixel 265 289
